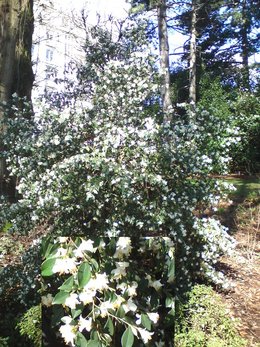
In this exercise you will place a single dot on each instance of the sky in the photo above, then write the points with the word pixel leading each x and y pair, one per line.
pixel 119 9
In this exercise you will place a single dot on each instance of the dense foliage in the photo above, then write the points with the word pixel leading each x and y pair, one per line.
pixel 99 161
pixel 203 321
pixel 111 290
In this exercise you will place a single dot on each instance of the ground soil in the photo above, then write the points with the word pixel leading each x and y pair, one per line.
pixel 243 268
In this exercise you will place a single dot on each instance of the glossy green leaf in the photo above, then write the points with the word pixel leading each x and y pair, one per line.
pixel 169 302
pixel 110 326
pixel 68 284
pixel 81 340
pixel 75 313
pixel 171 269
pixel 120 312
pixel 61 297
pixel 146 321
pixel 94 343
pixel 47 266
pixel 84 274
pixel 95 264
pixel 127 339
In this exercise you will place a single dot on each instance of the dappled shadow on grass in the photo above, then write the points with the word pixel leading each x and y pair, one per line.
pixel 247 195
pixel 242 268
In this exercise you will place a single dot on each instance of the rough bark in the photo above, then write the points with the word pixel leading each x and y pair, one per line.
pixel 16 76
pixel 192 63
pixel 164 58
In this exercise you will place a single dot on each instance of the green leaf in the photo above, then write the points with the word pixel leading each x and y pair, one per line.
pixel 53 249
pixel 68 284
pixel 81 340
pixel 94 343
pixel 171 269
pixel 155 300
pixel 169 302
pixel 57 314
pixel 95 264
pixel 6 227
pixel 77 312
pixel 109 326
pixel 146 321
pixel 84 274
pixel 120 312
pixel 171 312
pixel 47 266
pixel 127 338
pixel 61 297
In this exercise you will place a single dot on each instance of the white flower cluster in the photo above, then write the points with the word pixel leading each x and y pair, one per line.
pixel 105 293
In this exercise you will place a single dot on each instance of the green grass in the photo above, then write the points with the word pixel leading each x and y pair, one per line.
pixel 204 322
pixel 247 188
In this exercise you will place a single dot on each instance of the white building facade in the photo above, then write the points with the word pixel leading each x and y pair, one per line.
pixel 58 41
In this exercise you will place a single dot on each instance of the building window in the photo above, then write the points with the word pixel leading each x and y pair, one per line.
pixel 51 72
pixel 49 36
pixel 49 54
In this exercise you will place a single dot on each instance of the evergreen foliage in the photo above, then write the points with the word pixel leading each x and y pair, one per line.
pixel 203 322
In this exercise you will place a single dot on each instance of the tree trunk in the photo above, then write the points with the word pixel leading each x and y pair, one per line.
pixel 245 46
pixel 16 76
pixel 164 58
pixel 192 67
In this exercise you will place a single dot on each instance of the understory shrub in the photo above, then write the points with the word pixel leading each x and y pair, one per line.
pixel 29 325
pixel 204 322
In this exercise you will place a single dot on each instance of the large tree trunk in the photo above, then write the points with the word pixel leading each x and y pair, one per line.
pixel 16 76
pixel 192 67
pixel 164 58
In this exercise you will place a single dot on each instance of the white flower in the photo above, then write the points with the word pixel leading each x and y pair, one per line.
pixel 153 317
pixel 47 300
pixel 61 252
pixel 101 281
pixel 129 306
pixel 84 246
pixel 117 303
pixel 104 307
pixel 56 140
pixel 145 335
pixel 85 323
pixel 131 290
pixel 68 333
pixel 62 239
pixel 122 286
pixel 149 124
pixel 155 284
pixel 72 301
pixel 120 269
pixel 64 265
pixel 123 247
pixel 87 296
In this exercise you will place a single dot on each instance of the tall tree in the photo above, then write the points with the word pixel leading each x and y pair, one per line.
pixel 164 57
pixel 160 6
pixel 193 60
pixel 16 76
pixel 226 29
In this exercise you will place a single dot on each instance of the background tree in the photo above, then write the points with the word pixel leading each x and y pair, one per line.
pixel 16 76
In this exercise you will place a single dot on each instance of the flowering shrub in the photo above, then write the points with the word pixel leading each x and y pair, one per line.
pixel 110 167
pixel 111 291
pixel 21 281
